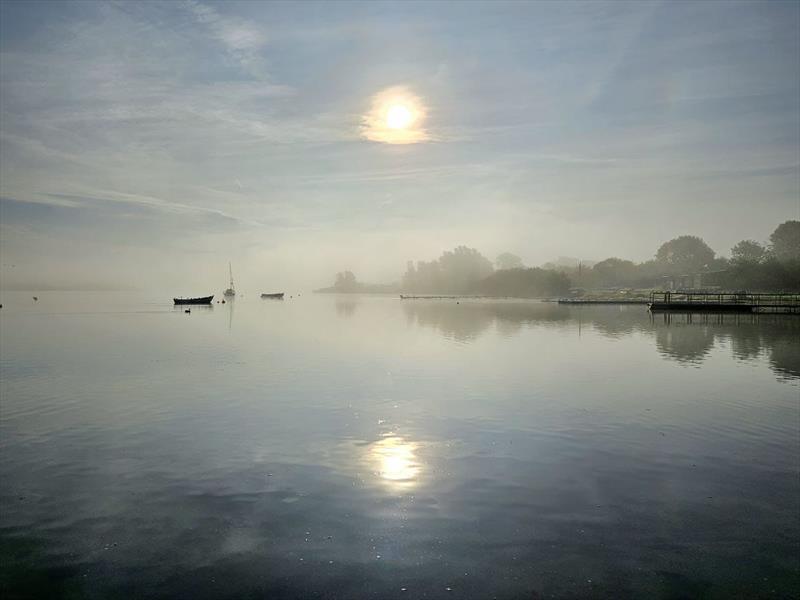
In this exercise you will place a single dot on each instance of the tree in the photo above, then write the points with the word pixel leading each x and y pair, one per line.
pixel 524 283
pixel 454 272
pixel 748 251
pixel 687 254
pixel 508 261
pixel 614 271
pixel 464 266
pixel 768 275
pixel 785 241
pixel 345 282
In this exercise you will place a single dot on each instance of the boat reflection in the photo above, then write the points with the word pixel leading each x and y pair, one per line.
pixel 395 462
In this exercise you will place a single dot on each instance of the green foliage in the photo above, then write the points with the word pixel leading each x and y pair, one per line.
pixel 345 282
pixel 685 254
pixel 466 271
pixel 454 272
pixel 785 241
pixel 525 283
pixel 769 275
pixel 748 251
pixel 756 268
pixel 751 267
pixel 508 261
pixel 613 272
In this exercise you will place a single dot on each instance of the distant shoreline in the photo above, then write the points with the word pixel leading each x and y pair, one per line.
pixel 58 289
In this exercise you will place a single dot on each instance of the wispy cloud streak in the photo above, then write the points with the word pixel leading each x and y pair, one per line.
pixel 243 39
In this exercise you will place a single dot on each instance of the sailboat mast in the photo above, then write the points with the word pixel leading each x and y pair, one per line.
pixel 230 270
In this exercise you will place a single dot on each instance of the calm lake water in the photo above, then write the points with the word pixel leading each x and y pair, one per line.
pixel 367 447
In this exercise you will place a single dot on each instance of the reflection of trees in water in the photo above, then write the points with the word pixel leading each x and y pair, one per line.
pixel 685 338
pixel 688 338
pixel 784 347
pixel 748 345
pixel 468 319
pixel 687 344
pixel 773 336
pixel 614 321
pixel 346 307
pixel 784 356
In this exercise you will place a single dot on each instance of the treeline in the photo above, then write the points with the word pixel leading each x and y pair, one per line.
pixel 524 283
pixel 687 261
pixel 466 271
pixel 463 271
pixel 346 283
pixel 684 262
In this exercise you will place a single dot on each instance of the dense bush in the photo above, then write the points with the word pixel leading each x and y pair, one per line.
pixel 525 283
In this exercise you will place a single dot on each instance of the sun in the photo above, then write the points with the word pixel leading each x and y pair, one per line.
pixel 398 117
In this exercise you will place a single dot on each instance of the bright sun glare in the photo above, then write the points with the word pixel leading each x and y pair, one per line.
pixel 395 461
pixel 398 117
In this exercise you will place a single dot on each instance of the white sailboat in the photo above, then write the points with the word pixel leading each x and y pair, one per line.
pixel 230 292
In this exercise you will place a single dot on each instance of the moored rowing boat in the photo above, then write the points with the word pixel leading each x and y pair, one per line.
pixel 203 300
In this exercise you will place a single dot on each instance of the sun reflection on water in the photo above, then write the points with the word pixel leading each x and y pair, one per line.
pixel 395 461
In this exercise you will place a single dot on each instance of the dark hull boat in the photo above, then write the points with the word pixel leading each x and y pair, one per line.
pixel 204 300
pixel 278 296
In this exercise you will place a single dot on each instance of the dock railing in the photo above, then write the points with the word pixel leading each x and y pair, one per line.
pixel 755 300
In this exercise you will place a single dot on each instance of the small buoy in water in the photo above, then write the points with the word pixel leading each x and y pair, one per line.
pixel 187 310
pixel 36 298
pixel 223 301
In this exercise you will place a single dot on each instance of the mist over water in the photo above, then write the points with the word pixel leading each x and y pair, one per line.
pixel 362 446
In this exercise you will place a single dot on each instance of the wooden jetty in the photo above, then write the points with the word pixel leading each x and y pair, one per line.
pixel 601 301
pixel 731 302
pixel 408 297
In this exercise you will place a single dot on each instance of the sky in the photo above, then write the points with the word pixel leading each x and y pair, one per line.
pixel 146 145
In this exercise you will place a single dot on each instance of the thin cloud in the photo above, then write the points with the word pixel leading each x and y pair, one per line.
pixel 243 39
